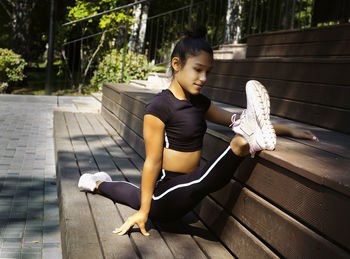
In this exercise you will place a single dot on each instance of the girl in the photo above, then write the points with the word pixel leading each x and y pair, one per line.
pixel 174 126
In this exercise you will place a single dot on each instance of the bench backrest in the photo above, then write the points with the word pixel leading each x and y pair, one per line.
pixel 332 41
pixel 313 90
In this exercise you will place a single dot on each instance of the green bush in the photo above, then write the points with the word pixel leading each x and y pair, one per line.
pixel 110 68
pixel 11 68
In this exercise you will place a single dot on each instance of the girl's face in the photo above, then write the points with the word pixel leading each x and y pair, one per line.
pixel 193 75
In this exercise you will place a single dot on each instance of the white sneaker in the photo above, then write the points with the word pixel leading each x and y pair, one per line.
pixel 87 182
pixel 254 124
pixel 103 177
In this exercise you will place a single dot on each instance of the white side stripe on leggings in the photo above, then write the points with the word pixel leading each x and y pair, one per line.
pixel 125 182
pixel 193 182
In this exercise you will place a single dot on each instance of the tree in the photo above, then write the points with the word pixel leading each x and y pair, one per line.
pixel 138 27
pixel 20 13
pixel 233 21
pixel 107 26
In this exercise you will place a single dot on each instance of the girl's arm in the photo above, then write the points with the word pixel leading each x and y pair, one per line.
pixel 153 134
pixel 282 130
pixel 219 116
pixel 223 117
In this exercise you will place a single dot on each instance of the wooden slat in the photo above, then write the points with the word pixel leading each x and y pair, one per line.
pixel 323 49
pixel 126 115
pixel 285 234
pixel 131 138
pixel 152 246
pixel 208 242
pixel 323 71
pixel 318 207
pixel 236 237
pixel 137 160
pixel 321 167
pixel 77 227
pixel 323 34
pixel 313 93
pixel 318 115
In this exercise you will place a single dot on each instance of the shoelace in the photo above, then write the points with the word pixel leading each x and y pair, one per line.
pixel 235 122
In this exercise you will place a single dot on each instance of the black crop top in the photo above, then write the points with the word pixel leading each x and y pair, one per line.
pixel 184 120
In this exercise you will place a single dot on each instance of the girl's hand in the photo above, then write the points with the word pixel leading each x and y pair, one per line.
pixel 139 218
pixel 303 134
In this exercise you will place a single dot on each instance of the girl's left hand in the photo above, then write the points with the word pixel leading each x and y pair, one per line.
pixel 303 134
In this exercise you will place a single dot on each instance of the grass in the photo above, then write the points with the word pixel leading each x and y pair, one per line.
pixel 34 84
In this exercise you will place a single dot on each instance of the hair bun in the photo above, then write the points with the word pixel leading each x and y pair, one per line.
pixel 197 31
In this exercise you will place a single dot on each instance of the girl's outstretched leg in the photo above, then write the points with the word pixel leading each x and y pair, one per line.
pixel 254 124
pixel 121 192
pixel 118 191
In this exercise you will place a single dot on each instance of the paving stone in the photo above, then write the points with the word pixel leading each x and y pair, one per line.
pixel 28 191
pixel 4 255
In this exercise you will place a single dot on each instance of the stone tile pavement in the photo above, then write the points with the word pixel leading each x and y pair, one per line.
pixel 29 218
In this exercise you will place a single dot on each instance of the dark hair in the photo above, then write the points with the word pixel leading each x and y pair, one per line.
pixel 190 45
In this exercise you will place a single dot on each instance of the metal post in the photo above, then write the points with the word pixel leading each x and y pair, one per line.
pixel 124 50
pixel 190 15
pixel 50 51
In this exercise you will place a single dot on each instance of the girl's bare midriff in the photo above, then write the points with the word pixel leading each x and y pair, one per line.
pixel 181 162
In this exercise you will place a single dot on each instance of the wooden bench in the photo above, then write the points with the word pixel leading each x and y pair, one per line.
pixel 292 202
pixel 306 84
pixel 86 143
pixel 324 42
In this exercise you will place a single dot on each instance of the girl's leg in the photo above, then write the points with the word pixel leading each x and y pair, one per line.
pixel 175 197
pixel 121 192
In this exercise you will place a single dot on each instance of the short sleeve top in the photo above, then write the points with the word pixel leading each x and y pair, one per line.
pixel 184 120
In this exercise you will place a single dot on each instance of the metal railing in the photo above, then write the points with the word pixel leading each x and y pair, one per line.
pixel 164 30
pixel 154 37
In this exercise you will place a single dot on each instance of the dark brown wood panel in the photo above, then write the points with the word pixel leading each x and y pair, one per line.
pixel 111 93
pixel 335 119
pixel 133 104
pixel 237 238
pixel 208 242
pixel 77 228
pixel 325 34
pixel 326 211
pixel 125 115
pixel 136 158
pixel 130 137
pixel 319 49
pixel 284 233
pixel 318 115
pixel 324 71
pixel 315 93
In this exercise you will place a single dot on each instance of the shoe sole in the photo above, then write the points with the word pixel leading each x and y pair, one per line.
pixel 257 93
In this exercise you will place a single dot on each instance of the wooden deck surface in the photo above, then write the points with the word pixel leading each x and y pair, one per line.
pixel 85 143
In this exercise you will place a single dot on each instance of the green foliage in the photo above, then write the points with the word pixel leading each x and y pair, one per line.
pixel 110 69
pixel 11 68
pixel 83 9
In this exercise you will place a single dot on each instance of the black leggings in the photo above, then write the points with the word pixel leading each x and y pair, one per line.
pixel 176 194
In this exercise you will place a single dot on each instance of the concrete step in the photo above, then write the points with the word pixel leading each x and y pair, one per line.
pixel 231 51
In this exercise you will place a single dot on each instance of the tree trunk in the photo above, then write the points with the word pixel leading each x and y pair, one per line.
pixel 135 27
pixel 21 11
pixel 233 21
pixel 143 27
